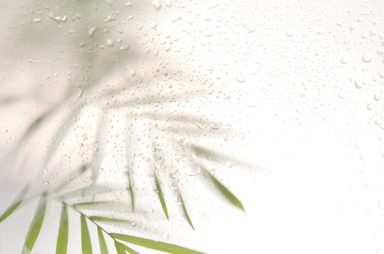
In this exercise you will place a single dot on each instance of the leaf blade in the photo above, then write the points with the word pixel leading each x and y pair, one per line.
pixel 102 244
pixel 185 211
pixel 161 198
pixel 231 198
pixel 62 238
pixel 14 205
pixel 86 246
pixel 35 227
pixel 122 249
pixel 155 245
pixel 108 219
pixel 130 188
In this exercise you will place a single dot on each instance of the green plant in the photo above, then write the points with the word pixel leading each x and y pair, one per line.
pixel 137 102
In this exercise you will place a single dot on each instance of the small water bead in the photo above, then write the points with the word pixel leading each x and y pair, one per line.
pixel 124 47
pixel 109 18
pixel 58 19
pixel 367 58
pixel 92 31
pixel 110 43
pixel 154 25
pixel 156 4
pixel 376 97
pixel 357 84
pixel 240 79
pixel 343 60
pixel 168 3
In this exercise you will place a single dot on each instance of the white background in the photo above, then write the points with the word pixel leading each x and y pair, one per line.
pixel 305 80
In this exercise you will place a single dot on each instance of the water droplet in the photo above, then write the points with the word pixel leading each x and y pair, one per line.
pixel 110 43
pixel 175 18
pixel 58 19
pixel 367 58
pixel 109 18
pixel 92 31
pixel 357 84
pixel 344 60
pixel 376 97
pixel 154 25
pixel 168 3
pixel 240 79
pixel 124 47
pixel 156 4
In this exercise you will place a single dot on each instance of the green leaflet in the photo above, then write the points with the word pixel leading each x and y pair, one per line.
pixel 86 245
pixel 185 211
pixel 132 196
pixel 225 192
pixel 14 205
pixel 96 203
pixel 161 198
pixel 108 219
pixel 122 249
pixel 209 154
pixel 102 244
pixel 155 245
pixel 62 237
pixel 35 227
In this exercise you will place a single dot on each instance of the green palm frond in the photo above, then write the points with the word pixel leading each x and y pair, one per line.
pixel 79 192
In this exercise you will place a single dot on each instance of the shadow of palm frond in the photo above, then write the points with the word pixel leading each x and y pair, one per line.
pixel 100 80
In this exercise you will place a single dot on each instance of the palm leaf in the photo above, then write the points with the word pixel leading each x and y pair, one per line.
pixel 86 245
pixel 96 203
pixel 102 244
pixel 185 211
pixel 14 205
pixel 130 189
pixel 123 249
pixel 35 227
pixel 209 154
pixel 109 219
pixel 161 198
pixel 155 245
pixel 62 238
pixel 229 196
